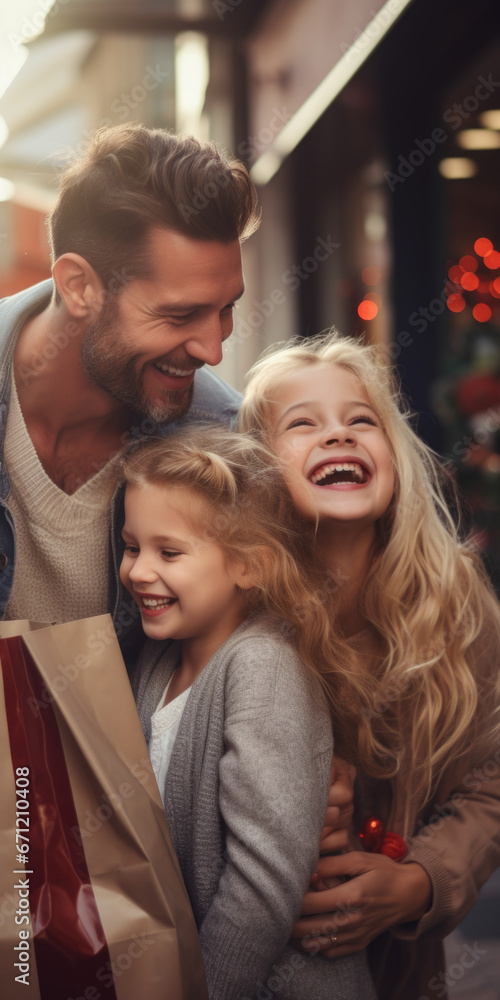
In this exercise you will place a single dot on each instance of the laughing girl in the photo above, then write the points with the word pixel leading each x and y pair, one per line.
pixel 414 656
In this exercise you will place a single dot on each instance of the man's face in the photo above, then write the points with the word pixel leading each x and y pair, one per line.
pixel 145 347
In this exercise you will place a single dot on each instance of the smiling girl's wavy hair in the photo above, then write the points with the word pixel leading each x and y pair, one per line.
pixel 248 512
pixel 426 593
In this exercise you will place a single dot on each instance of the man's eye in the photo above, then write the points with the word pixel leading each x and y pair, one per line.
pixel 178 320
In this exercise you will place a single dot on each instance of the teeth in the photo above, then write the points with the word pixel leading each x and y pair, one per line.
pixel 174 371
pixel 328 470
pixel 152 602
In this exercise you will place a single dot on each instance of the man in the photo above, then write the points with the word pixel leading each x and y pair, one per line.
pixel 145 241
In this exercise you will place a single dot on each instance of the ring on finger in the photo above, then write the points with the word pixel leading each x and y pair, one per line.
pixel 333 938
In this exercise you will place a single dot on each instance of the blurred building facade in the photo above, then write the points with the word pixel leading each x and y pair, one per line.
pixel 373 132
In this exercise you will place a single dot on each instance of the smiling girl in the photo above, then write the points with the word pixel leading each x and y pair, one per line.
pixel 236 722
pixel 414 653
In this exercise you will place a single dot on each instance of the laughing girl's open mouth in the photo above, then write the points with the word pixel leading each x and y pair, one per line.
pixel 339 474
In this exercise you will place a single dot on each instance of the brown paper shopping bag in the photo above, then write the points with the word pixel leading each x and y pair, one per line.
pixel 92 903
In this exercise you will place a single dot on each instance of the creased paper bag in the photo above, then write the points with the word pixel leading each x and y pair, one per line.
pixel 92 902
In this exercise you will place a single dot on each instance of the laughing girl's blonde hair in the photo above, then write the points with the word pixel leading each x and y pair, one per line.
pixel 426 594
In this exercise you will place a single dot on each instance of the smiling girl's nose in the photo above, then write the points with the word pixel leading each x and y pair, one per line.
pixel 142 570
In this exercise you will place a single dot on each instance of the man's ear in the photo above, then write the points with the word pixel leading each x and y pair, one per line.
pixel 79 286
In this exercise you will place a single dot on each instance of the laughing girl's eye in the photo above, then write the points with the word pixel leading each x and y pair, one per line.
pixel 299 422
pixel 169 553
pixel 363 419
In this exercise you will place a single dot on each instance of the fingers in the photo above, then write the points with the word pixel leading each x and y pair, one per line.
pixel 342 771
pixel 336 866
pixel 330 900
pixel 340 794
pixel 317 931
pixel 339 840
pixel 337 817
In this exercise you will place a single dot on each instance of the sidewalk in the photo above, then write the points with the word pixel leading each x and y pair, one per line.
pixel 478 941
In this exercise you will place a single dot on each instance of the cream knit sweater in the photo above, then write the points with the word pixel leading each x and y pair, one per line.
pixel 61 571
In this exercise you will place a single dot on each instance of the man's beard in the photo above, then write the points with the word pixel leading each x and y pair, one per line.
pixel 104 366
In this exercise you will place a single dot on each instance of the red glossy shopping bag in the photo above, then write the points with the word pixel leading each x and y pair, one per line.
pixel 92 903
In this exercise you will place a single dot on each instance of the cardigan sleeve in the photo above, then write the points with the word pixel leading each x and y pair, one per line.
pixel 274 777
pixel 459 843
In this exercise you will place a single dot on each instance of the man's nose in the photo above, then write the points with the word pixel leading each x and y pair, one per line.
pixel 206 345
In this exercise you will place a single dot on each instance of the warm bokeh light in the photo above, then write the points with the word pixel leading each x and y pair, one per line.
pixel 481 312
pixel 371 275
pixel 456 302
pixel 495 289
pixel 478 138
pixel 468 262
pixel 457 168
pixel 492 260
pixel 469 281
pixel 455 273
pixel 490 119
pixel 482 246
pixel 496 284
pixel 367 309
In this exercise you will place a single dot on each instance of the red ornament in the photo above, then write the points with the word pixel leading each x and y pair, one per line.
pixel 393 846
pixel 371 833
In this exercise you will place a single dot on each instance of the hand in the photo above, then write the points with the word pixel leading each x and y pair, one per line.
pixel 336 833
pixel 380 893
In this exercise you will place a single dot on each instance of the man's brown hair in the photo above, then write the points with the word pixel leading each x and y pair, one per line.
pixel 131 178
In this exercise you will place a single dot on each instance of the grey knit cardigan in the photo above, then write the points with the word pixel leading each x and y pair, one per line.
pixel 245 799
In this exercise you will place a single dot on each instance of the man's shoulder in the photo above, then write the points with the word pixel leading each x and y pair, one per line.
pixel 213 399
pixel 27 299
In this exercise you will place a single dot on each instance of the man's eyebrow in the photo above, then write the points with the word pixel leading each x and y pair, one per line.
pixel 187 307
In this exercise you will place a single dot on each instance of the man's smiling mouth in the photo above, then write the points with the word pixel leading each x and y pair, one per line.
pixel 339 474
pixel 170 370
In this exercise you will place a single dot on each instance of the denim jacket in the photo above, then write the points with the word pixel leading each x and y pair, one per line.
pixel 213 400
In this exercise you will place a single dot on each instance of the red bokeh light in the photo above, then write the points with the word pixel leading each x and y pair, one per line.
pixel 496 285
pixel 367 309
pixel 468 263
pixel 456 302
pixel 492 260
pixel 481 312
pixel 455 274
pixel 495 288
pixel 469 281
pixel 482 246
pixel 371 275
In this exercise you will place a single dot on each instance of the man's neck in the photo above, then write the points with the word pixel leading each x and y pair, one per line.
pixel 75 427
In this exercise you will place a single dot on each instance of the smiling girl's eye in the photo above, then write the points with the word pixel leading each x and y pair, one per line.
pixel 132 549
pixel 169 553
